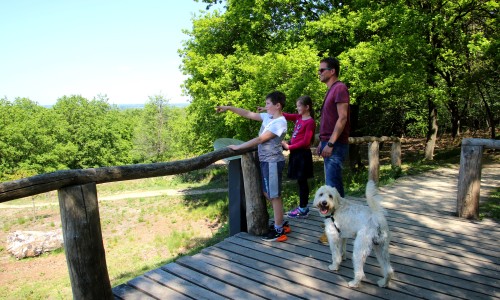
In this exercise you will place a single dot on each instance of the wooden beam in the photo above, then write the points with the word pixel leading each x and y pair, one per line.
pixel 53 181
pixel 373 161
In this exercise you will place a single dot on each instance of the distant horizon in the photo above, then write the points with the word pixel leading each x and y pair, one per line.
pixel 132 105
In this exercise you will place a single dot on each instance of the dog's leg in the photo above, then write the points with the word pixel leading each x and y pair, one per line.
pixel 335 246
pixel 383 257
pixel 344 247
pixel 361 250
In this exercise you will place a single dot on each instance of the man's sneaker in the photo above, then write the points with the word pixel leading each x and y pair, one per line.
pixel 286 227
pixel 323 239
pixel 298 214
pixel 273 235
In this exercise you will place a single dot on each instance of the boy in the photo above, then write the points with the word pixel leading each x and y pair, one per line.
pixel 272 160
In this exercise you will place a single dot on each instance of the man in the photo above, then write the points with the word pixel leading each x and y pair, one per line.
pixel 334 125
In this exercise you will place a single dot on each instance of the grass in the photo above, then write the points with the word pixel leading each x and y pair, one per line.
pixel 491 207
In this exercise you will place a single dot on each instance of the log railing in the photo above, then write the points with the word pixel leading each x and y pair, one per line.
pixel 469 175
pixel 374 153
pixel 78 202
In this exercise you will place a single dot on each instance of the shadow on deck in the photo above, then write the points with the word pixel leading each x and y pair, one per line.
pixel 434 254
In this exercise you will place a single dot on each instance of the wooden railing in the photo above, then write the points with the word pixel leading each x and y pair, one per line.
pixel 469 176
pixel 374 153
pixel 77 194
pixel 78 204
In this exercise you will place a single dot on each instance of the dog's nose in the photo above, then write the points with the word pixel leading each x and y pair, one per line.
pixel 323 203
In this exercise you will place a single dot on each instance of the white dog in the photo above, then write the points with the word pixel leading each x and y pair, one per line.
pixel 367 224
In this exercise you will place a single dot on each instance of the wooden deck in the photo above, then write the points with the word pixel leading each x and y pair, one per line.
pixel 435 256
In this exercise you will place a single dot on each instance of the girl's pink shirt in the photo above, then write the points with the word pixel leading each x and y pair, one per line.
pixel 303 131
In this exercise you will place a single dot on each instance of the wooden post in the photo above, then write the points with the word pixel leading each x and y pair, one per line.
pixel 396 154
pixel 373 161
pixel 237 222
pixel 83 245
pixel 469 181
pixel 256 208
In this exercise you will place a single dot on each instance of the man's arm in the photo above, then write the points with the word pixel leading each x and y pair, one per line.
pixel 342 109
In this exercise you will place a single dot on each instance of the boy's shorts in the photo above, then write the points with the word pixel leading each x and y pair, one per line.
pixel 272 175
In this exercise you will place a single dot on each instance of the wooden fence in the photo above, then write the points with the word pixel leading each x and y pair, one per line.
pixel 77 194
pixel 469 176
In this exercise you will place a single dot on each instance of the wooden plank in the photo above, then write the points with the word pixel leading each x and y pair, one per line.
pixel 126 292
pixel 306 265
pixel 235 278
pixel 454 245
pixel 155 289
pixel 405 251
pixel 432 285
pixel 311 282
pixel 443 239
pixel 182 286
pixel 213 284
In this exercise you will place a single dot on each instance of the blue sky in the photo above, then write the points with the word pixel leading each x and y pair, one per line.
pixel 124 49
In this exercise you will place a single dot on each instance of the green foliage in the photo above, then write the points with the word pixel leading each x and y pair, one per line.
pixel 491 207
pixel 94 134
pixel 398 58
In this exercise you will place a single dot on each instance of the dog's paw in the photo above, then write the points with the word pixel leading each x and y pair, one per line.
pixel 384 282
pixel 333 267
pixel 353 284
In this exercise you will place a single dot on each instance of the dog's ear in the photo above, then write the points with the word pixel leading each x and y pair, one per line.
pixel 336 196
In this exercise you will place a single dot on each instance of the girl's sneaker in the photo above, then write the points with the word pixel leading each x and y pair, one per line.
pixel 298 213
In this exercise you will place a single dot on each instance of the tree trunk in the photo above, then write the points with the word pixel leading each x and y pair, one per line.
pixel 455 119
pixel 432 131
pixel 491 118
pixel 354 149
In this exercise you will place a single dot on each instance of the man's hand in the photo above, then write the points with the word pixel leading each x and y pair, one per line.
pixel 327 151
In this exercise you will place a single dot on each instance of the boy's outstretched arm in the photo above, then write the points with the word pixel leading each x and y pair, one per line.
pixel 240 111
pixel 266 136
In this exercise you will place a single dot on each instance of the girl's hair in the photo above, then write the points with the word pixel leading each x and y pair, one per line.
pixel 307 101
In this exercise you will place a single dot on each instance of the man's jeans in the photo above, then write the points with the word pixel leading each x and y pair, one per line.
pixel 333 166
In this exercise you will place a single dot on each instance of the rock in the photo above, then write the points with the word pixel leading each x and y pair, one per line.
pixel 23 244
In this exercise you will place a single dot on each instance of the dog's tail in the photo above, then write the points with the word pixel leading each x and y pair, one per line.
pixel 373 197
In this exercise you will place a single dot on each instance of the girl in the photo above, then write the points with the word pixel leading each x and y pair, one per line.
pixel 300 164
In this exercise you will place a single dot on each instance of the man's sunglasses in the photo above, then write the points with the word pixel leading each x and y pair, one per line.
pixel 324 69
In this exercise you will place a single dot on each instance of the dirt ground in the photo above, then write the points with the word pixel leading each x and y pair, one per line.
pixel 124 221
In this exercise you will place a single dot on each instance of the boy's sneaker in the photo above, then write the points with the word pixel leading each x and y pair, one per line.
pixel 286 227
pixel 273 235
pixel 297 213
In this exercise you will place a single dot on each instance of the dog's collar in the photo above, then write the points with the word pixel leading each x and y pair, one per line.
pixel 333 220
